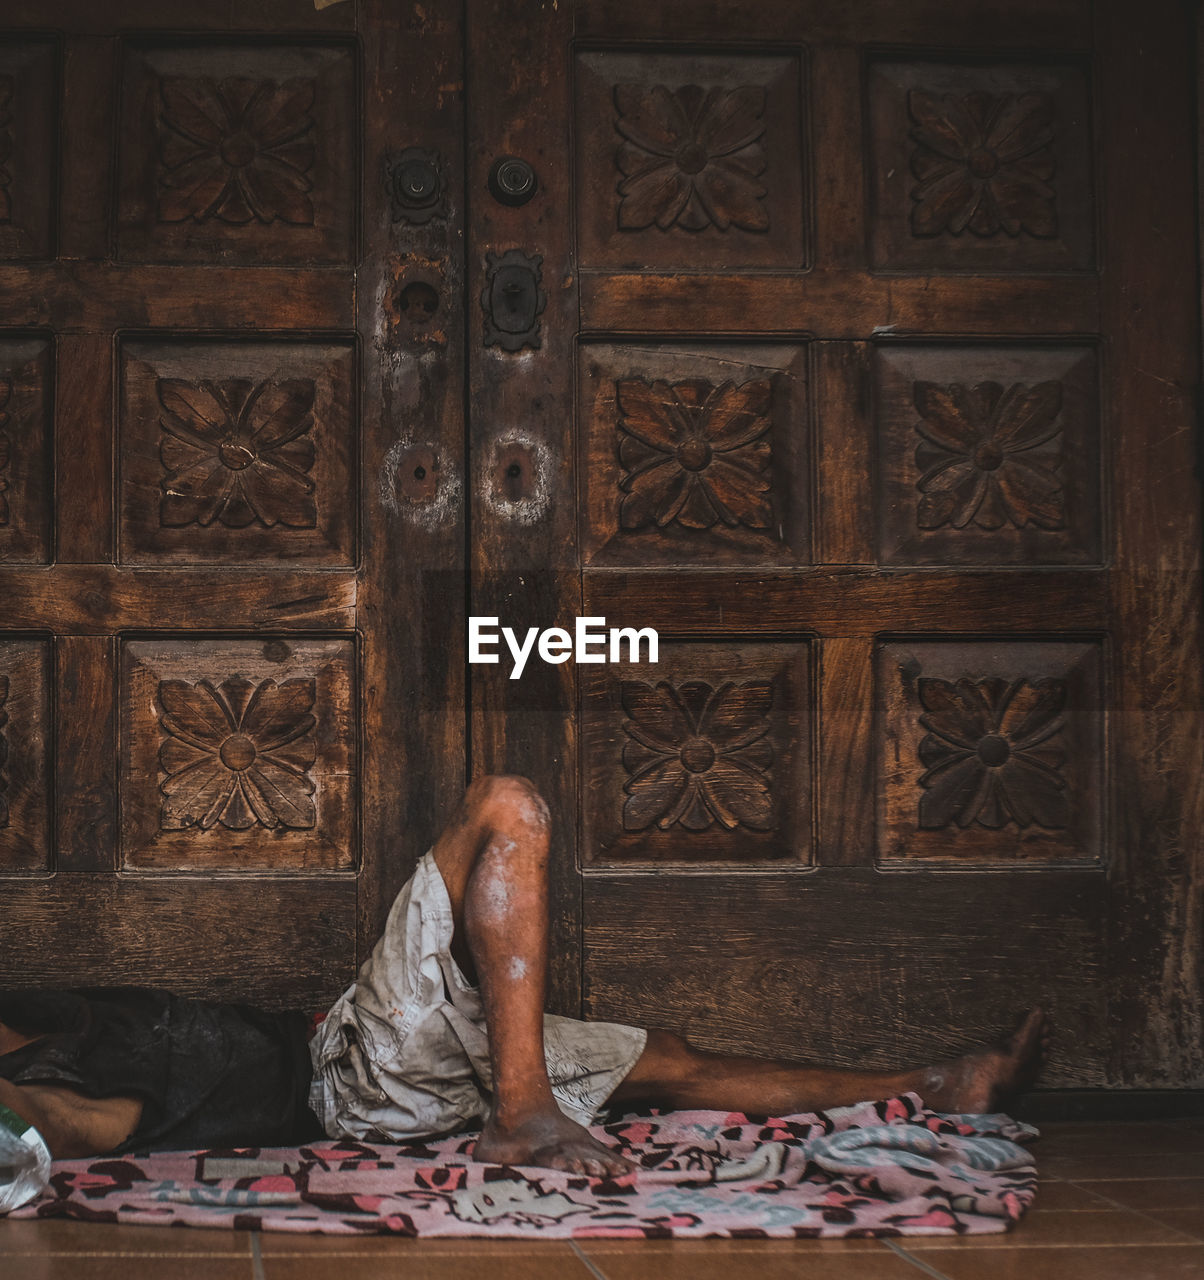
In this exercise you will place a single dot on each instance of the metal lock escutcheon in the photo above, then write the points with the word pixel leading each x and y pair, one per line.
pixel 512 300
pixel 417 186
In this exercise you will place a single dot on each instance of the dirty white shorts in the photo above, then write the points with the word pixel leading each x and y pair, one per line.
pixel 403 1052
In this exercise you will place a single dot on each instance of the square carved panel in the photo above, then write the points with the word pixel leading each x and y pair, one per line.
pixel 238 153
pixel 28 147
pixel 694 455
pixel 235 451
pixel 238 754
pixel 690 160
pixel 990 752
pixel 980 166
pixel 987 455
pixel 703 757
pixel 25 444
pixel 26 735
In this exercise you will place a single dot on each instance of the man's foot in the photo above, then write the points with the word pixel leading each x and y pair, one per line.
pixel 990 1078
pixel 552 1141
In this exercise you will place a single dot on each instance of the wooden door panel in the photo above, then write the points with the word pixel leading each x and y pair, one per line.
pixel 990 753
pixel 987 455
pixel 232 452
pixel 962 571
pixel 237 153
pixel 683 157
pixel 979 166
pixel 197 635
pixel 704 758
pixel 694 454
pixel 239 754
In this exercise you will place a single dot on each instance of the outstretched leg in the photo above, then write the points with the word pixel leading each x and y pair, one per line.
pixel 493 857
pixel 674 1074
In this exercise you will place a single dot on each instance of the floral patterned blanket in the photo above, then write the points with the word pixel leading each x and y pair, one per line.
pixel 878 1168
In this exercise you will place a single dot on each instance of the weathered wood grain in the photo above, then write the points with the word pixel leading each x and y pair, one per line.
pixel 27 431
pixel 26 746
pixel 845 513
pixel 850 602
pixel 1032 24
pixel 1156 935
pixel 99 599
pixel 827 303
pixel 521 406
pixel 86 755
pixel 275 941
pixel 103 297
pixel 848 965
pixel 88 104
pixel 839 203
pixel 845 748
pixel 219 16
pixel 412 591
pixel 83 444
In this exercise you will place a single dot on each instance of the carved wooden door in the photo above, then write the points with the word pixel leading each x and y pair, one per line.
pixel 863 374
pixel 217 663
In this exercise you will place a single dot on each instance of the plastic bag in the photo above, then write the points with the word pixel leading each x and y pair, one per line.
pixel 24 1161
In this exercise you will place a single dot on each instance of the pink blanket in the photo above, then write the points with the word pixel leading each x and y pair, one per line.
pixel 879 1168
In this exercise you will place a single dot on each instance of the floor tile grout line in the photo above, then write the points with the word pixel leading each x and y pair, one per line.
pixel 257 1271
pixel 589 1262
pixel 916 1262
pixel 1142 1213
pixel 123 1253
pixel 953 1246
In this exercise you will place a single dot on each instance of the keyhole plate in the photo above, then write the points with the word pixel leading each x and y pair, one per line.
pixel 512 300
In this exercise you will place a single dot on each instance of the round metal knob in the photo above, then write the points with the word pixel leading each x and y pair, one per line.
pixel 512 181
pixel 416 186
pixel 416 181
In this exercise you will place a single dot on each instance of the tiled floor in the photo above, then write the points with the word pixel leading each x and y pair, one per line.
pixel 1117 1202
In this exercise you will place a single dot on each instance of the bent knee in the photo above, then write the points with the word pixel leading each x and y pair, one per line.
pixel 506 799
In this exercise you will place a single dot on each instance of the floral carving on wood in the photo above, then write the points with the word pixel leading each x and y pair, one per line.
pixel 6 391
pixel 236 149
pixel 691 157
pixel 694 454
pixel 6 146
pixel 237 754
pixel 3 753
pixel 993 753
pixel 237 452
pixel 696 755
pixel 983 163
pixel 989 456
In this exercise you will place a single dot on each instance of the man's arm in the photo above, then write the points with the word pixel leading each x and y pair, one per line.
pixel 72 1125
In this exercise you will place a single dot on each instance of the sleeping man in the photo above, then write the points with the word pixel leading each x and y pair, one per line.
pixel 443 1029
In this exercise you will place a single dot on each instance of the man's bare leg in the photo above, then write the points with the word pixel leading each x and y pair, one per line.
pixel 493 857
pixel 672 1073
